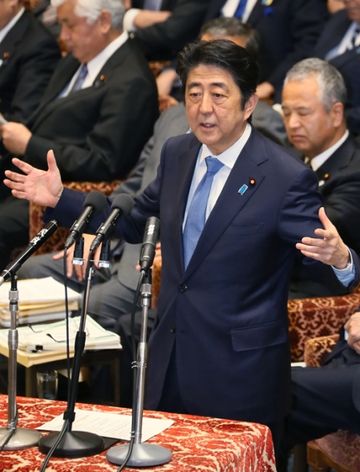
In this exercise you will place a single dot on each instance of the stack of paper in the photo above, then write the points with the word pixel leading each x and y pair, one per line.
pixel 40 300
pixel 52 336
pixel 46 342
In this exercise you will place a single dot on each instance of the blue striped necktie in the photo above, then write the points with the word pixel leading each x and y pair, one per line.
pixel 240 9
pixel 196 216
pixel 80 78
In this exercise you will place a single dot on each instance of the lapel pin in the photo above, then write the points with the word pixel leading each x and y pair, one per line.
pixel 327 176
pixel 243 189
pixel 252 181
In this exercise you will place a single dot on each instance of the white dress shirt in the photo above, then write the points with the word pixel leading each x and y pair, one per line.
pixel 228 158
pixel 4 31
pixel 230 7
pixel 96 64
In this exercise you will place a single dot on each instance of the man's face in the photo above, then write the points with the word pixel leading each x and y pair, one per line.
pixel 213 106
pixel 353 9
pixel 310 127
pixel 81 38
pixel 8 9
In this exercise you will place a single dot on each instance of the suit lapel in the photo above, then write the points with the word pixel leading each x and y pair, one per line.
pixel 339 160
pixel 246 174
pixel 180 183
pixel 64 75
pixel 13 37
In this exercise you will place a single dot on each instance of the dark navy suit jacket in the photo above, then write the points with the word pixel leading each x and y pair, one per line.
pixel 225 316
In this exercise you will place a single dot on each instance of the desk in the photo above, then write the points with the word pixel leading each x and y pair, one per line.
pixel 36 362
pixel 198 443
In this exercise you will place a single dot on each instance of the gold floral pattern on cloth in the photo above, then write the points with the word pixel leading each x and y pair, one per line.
pixel 198 443
pixel 315 317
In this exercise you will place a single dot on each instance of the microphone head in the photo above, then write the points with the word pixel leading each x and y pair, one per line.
pixel 96 200
pixel 123 202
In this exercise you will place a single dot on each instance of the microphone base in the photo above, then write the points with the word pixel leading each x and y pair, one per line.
pixel 73 444
pixel 21 438
pixel 142 455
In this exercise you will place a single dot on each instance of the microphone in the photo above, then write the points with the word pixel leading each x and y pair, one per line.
pixel 121 205
pixel 147 252
pixel 34 244
pixel 95 201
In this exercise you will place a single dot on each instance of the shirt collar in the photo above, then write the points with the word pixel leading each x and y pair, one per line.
pixel 4 31
pixel 317 161
pixel 96 64
pixel 230 155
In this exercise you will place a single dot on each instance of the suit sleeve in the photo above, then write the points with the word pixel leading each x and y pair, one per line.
pixel 164 40
pixel 39 60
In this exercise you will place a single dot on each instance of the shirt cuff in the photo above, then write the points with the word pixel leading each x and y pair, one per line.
pixel 346 275
pixel 129 18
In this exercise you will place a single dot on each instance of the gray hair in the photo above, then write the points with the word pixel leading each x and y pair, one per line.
pixel 91 9
pixel 331 82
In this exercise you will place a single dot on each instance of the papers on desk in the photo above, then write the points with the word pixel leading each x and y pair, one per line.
pixel 52 336
pixel 109 425
pixel 39 300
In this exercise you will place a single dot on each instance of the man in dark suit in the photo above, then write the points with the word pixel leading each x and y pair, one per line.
pixel 339 43
pixel 314 97
pixel 288 30
pixel 163 32
pixel 97 130
pixel 28 57
pixel 221 333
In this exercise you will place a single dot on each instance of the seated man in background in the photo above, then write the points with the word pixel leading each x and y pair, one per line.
pixel 339 43
pixel 313 103
pixel 29 54
pixel 326 399
pixel 288 31
pixel 97 111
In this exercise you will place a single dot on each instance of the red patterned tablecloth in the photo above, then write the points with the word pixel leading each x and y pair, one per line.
pixel 197 443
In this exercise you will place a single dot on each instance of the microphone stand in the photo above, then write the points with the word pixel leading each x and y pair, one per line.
pixel 12 438
pixel 75 443
pixel 142 454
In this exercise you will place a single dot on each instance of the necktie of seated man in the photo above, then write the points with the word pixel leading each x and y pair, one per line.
pixel 355 39
pixel 80 78
pixel 240 9
pixel 152 5
pixel 196 216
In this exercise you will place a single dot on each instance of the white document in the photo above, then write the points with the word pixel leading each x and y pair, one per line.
pixel 44 290
pixel 52 336
pixel 109 425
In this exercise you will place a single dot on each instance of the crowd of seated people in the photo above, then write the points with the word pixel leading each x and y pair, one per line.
pixel 106 128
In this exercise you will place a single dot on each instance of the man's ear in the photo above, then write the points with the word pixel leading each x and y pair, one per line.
pixel 105 21
pixel 337 113
pixel 250 105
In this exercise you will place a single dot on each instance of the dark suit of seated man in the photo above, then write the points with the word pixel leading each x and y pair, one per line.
pixel 222 306
pixel 339 43
pixel 165 29
pixel 313 103
pixel 28 57
pixel 288 31
pixel 98 127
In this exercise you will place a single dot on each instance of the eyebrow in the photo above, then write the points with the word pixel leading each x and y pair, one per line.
pixel 212 84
